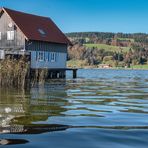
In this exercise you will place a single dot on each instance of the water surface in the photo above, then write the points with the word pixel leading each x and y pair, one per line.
pixel 99 109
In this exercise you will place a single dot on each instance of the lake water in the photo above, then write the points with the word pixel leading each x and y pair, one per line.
pixel 99 109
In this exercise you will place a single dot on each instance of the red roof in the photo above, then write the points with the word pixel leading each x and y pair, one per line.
pixel 37 27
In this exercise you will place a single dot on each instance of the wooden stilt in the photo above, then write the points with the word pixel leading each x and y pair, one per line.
pixel 74 73
pixel 53 73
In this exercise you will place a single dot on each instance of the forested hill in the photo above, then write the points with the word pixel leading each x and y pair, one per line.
pixel 113 49
pixel 100 36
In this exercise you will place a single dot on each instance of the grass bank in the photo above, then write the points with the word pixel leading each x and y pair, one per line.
pixel 140 67
pixel 84 64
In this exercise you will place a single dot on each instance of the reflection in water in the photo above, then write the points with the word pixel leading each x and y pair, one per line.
pixel 104 107
pixel 18 109
pixel 32 129
pixel 12 141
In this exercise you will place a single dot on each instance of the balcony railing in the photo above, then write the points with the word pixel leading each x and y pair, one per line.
pixel 17 52
pixel 3 52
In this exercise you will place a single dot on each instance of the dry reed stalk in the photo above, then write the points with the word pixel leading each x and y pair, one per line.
pixel 16 73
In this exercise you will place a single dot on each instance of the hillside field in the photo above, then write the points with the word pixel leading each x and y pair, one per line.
pixel 108 47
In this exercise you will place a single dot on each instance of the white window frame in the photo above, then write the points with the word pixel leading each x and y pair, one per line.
pixel 46 56
pixel 40 56
pixel 53 56
pixel 0 35
pixel 10 35
pixel 2 54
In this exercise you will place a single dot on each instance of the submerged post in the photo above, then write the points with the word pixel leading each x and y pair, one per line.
pixel 74 73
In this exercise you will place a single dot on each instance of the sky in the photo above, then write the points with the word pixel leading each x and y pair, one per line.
pixel 128 16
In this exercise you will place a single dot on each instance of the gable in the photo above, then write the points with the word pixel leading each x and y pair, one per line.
pixel 4 22
pixel 7 24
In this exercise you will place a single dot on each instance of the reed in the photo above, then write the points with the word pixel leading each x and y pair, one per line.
pixel 16 73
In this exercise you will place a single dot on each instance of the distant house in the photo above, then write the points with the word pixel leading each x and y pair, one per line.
pixel 105 66
pixel 35 36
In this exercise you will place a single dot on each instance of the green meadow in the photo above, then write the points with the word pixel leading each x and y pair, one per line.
pixel 140 66
pixel 108 47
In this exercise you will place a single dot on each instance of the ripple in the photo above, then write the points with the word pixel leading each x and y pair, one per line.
pixel 100 107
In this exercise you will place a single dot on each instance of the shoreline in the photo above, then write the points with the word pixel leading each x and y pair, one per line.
pixel 114 68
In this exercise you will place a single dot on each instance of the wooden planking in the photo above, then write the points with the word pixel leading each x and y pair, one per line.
pixel 19 39
pixel 46 46
pixel 60 61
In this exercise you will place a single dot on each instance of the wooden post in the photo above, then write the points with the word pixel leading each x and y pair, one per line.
pixel 58 75
pixel 74 73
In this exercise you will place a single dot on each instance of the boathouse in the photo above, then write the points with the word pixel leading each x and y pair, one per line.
pixel 35 36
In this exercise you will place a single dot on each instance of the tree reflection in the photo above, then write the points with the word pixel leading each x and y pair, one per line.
pixel 19 109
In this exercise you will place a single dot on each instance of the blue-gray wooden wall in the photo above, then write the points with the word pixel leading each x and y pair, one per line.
pixel 60 61
pixel 61 54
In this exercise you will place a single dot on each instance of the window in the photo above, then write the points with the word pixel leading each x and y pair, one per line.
pixel 42 32
pixel 53 57
pixel 2 54
pixel 40 56
pixel 0 35
pixel 46 56
pixel 10 35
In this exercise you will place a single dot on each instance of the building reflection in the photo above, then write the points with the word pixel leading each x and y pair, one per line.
pixel 12 141
pixel 19 109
